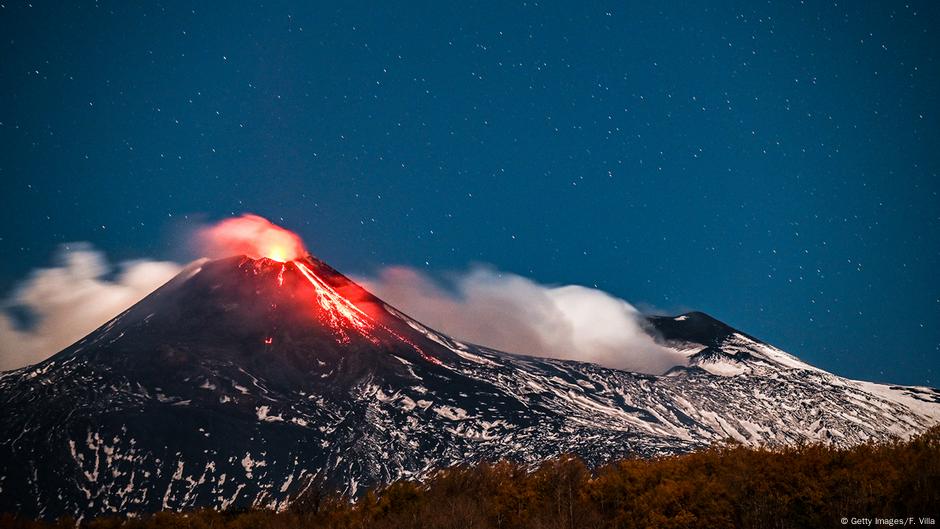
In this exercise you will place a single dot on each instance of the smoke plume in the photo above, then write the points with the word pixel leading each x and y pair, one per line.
pixel 515 314
pixel 250 235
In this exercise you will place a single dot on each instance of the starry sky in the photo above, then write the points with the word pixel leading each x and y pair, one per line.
pixel 774 164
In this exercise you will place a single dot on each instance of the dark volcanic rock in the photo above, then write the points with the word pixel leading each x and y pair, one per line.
pixel 241 382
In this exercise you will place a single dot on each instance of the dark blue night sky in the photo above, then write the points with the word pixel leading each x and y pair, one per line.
pixel 773 164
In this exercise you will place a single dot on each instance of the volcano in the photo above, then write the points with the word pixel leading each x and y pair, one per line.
pixel 245 381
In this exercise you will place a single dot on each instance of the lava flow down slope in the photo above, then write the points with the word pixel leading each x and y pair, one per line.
pixel 248 379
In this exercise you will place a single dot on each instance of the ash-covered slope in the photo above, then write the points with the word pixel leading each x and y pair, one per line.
pixel 243 382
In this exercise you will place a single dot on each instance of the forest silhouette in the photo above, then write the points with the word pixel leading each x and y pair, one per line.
pixel 729 485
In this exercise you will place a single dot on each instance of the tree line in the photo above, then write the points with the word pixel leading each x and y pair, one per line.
pixel 729 485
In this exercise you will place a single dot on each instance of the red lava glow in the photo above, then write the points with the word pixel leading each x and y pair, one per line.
pixel 341 314
pixel 253 236
pixel 257 238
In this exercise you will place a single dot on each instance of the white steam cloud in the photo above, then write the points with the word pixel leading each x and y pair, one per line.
pixel 515 314
pixel 71 299
pixel 504 311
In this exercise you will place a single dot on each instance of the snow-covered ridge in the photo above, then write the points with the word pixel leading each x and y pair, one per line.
pixel 182 402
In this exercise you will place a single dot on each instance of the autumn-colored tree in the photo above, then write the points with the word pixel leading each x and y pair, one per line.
pixel 726 486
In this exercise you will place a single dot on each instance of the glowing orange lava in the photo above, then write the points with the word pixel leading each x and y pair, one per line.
pixel 277 253
pixel 342 314
pixel 258 238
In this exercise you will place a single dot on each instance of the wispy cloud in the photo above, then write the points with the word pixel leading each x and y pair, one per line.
pixel 70 299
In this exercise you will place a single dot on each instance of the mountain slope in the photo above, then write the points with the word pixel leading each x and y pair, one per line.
pixel 243 382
